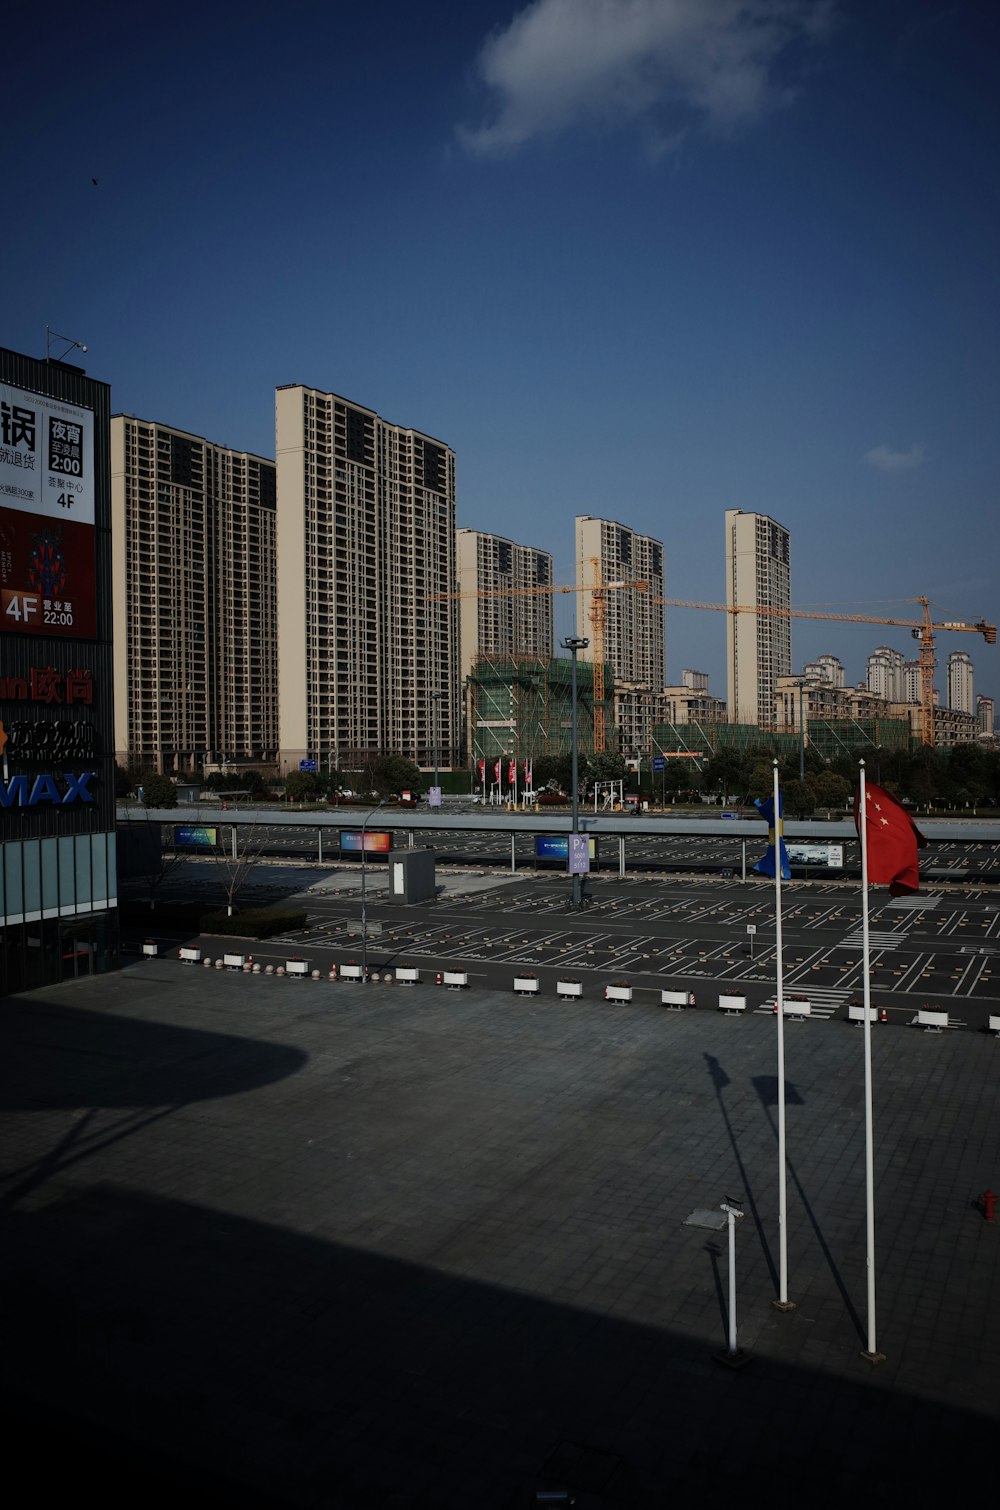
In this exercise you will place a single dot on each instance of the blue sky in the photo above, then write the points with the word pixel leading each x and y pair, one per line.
pixel 649 259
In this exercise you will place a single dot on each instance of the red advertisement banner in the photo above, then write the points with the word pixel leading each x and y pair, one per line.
pixel 47 575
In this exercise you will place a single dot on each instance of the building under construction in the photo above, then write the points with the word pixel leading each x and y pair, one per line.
pixel 827 736
pixel 522 706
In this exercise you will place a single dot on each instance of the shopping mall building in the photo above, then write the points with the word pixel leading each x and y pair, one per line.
pixel 58 891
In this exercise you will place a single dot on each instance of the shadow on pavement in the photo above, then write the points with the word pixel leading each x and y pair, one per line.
pixel 157 1349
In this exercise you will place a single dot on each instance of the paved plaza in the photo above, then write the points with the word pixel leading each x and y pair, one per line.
pixel 280 1242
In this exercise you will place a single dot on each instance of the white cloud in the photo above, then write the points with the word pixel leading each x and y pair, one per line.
pixel 885 459
pixel 671 65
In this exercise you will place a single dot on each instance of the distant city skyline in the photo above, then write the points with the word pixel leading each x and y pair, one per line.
pixel 612 282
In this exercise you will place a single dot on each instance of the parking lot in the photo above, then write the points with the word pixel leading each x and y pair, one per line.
pixel 938 949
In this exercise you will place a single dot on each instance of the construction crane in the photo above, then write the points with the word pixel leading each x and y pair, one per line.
pixel 597 617
pixel 922 629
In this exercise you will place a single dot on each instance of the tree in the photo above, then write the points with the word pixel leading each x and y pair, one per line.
pixel 547 769
pixel 158 791
pixel 237 859
pixel 606 765
pixel 832 791
pixel 300 786
pixel 394 773
pixel 798 799
pixel 729 770
pixel 762 779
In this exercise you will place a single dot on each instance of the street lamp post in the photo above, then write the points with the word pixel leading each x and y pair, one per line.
pixel 364 893
pixel 436 701
pixel 802 734
pixel 574 644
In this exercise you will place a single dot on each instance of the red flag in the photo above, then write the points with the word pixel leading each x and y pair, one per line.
pixel 893 841
pixel 512 773
pixel 496 771
pixel 482 771
pixel 527 773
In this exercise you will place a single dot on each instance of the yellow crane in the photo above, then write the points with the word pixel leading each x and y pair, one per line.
pixel 597 615
pixel 922 629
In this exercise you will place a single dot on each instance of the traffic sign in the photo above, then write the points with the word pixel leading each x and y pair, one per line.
pixel 659 763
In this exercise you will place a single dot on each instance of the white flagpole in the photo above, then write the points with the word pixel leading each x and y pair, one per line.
pixel 871 1352
pixel 782 1303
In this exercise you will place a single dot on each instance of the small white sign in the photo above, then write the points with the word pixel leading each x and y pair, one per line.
pixel 579 854
pixel 751 928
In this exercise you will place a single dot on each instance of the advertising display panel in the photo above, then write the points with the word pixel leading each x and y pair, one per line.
pixel 830 855
pixel 375 843
pixel 556 847
pixel 195 836
pixel 47 562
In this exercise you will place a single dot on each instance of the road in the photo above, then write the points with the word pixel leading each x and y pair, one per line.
pixel 692 854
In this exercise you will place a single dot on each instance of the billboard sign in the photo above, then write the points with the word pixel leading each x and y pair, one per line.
pixel 47 502
pixel 556 846
pixel 375 843
pixel 830 855
pixel 195 836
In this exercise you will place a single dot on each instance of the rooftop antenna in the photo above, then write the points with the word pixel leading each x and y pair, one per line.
pixel 71 345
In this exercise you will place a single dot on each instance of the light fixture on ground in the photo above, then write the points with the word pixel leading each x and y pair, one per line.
pixel 574 643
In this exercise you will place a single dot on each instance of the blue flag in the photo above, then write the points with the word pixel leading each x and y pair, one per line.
pixel 765 865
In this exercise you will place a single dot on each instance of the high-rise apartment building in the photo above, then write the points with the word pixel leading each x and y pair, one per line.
pixel 960 692
pixel 631 619
pixel 366 557
pixel 193 551
pixel 505 609
pixel 985 715
pixel 826 669
pixel 912 682
pixel 608 552
pixel 758 645
pixel 886 674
